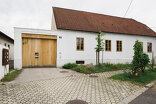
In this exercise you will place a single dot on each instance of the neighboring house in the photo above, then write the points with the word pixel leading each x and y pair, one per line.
pixel 4 67
pixel 72 39
pixel 7 42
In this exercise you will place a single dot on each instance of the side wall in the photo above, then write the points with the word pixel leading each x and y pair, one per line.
pixel 66 46
pixel 3 69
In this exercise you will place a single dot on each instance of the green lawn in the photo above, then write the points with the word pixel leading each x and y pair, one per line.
pixel 142 79
pixel 11 76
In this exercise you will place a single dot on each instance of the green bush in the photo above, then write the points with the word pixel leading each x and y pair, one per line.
pixel 115 66
pixel 83 69
pixel 70 65
pixel 144 60
pixel 87 69
pixel 123 66
pixel 140 59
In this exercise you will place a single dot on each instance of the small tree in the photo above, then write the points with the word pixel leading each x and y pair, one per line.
pixel 100 46
pixel 140 59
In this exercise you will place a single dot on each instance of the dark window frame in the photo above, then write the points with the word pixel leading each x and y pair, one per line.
pixel 80 44
pixel 119 46
pixel 149 47
pixel 108 45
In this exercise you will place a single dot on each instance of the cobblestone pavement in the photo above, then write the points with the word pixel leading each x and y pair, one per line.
pixel 34 74
pixel 94 90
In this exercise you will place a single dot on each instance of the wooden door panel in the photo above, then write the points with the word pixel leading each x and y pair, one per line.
pixel 48 54
pixel 32 52
pixel 28 50
pixel 46 49
pixel 53 51
pixel 25 47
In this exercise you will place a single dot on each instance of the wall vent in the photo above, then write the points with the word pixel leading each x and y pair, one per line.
pixel 80 62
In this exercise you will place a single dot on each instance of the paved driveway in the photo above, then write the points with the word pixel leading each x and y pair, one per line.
pixel 33 74
pixel 60 90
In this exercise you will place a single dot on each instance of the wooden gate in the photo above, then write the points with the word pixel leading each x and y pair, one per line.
pixel 39 50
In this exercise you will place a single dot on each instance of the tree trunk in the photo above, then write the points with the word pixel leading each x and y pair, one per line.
pixel 96 57
pixel 143 69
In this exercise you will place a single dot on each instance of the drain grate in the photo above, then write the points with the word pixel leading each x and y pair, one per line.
pixel 63 71
pixel 94 76
pixel 76 102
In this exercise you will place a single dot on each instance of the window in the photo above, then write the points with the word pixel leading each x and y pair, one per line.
pixel 80 44
pixel 9 46
pixel 118 46
pixel 149 47
pixel 107 45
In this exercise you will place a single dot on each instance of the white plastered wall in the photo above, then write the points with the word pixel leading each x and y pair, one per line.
pixel 3 69
pixel 66 46
pixel 68 52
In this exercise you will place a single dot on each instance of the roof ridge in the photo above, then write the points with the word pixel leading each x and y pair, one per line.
pixel 92 13
pixel 93 22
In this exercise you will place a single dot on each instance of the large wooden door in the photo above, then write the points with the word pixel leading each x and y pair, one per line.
pixel 38 52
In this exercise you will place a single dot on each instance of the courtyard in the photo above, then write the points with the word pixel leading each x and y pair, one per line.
pixel 65 85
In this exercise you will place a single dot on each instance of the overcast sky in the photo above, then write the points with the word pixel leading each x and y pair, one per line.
pixel 37 13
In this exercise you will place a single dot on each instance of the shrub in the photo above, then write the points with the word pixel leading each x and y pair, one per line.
pixel 123 66
pixel 70 65
pixel 83 69
pixel 144 60
pixel 140 59
pixel 115 66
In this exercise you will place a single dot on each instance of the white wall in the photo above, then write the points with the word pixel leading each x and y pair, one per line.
pixel 3 69
pixel 66 46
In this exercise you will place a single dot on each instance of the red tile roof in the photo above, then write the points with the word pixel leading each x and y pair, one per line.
pixel 92 22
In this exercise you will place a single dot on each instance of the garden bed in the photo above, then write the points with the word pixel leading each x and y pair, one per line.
pixel 142 78
pixel 88 69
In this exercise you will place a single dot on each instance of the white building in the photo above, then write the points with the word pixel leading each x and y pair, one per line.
pixel 8 42
pixel 4 69
pixel 72 39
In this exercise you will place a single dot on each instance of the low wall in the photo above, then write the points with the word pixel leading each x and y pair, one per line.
pixel 3 69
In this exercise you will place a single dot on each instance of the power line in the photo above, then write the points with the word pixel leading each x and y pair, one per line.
pixel 128 7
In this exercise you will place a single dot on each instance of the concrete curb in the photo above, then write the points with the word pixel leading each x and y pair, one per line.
pixel 137 93
pixel 133 96
pixel 150 84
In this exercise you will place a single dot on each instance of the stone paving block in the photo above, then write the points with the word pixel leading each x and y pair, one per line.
pixel 97 90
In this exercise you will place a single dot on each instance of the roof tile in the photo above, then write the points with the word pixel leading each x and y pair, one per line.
pixel 92 22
